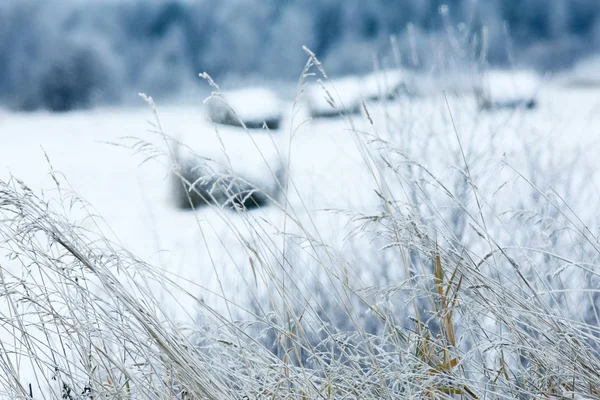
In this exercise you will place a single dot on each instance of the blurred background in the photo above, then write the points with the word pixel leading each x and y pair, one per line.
pixel 66 54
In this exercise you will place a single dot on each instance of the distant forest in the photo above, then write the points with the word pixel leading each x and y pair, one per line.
pixel 60 54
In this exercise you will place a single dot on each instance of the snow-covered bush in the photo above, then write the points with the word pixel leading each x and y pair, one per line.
pixel 197 183
pixel 254 108
pixel 353 91
pixel 321 103
pixel 507 90
pixel 231 166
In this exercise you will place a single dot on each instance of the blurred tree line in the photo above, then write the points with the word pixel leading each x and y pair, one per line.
pixel 71 53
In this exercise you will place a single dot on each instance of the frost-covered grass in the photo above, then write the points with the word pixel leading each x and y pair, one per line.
pixel 420 250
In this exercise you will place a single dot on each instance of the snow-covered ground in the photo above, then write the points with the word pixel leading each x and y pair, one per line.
pixel 136 200
pixel 326 166
pixel 555 145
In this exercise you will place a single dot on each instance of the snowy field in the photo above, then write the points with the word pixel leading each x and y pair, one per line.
pixel 135 198
pixel 98 154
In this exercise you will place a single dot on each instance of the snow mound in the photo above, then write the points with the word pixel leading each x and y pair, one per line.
pixel 508 89
pixel 255 107
pixel 384 84
pixel 229 168
pixel 331 98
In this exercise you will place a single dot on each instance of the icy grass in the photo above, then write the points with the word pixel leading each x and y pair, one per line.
pixel 468 274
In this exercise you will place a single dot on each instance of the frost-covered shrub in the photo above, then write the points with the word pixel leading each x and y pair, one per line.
pixel 230 167
pixel 352 91
pixel 254 107
pixel 196 185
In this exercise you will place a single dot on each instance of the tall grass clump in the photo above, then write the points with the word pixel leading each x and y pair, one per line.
pixel 470 271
